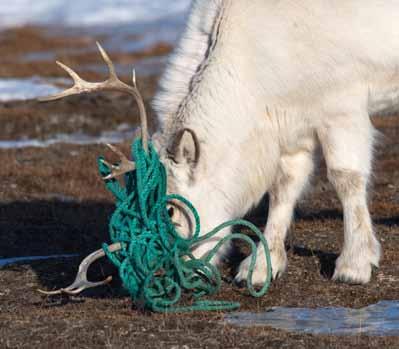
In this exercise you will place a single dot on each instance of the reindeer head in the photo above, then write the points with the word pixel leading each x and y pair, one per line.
pixel 196 171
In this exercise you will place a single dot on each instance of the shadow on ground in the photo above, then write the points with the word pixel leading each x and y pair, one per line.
pixel 42 228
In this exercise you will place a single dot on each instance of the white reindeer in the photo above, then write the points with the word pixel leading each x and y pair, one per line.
pixel 253 88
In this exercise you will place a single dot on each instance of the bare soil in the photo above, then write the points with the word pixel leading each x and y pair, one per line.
pixel 54 202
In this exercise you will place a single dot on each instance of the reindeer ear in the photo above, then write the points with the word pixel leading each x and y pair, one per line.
pixel 185 147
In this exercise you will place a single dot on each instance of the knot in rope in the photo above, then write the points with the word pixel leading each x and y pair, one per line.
pixel 155 264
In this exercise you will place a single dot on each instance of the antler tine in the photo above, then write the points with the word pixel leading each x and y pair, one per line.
pixel 123 167
pixel 133 90
pixel 142 112
pixel 81 283
pixel 134 78
pixel 107 60
pixel 78 87
pixel 113 83
pixel 76 78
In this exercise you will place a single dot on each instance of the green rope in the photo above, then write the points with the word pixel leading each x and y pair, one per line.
pixel 155 263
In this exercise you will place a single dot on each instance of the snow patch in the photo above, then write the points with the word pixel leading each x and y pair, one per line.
pixel 27 88
pixel 119 135
pixel 88 12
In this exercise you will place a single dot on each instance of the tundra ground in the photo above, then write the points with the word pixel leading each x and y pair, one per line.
pixel 54 202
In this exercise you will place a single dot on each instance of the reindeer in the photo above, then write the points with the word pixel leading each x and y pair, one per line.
pixel 252 91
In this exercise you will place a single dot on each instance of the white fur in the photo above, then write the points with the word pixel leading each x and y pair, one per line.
pixel 262 83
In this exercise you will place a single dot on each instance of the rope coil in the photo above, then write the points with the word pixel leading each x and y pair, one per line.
pixel 155 264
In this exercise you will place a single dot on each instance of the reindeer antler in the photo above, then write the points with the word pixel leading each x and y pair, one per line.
pixel 81 283
pixel 111 84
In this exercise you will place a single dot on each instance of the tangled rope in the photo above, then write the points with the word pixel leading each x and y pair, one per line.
pixel 155 263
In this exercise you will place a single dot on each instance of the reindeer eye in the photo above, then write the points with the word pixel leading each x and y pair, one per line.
pixel 171 211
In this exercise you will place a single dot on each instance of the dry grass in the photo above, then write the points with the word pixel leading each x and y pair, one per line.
pixel 53 201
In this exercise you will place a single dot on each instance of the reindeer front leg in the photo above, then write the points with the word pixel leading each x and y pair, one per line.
pixel 292 177
pixel 347 142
